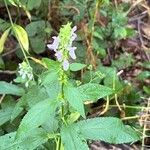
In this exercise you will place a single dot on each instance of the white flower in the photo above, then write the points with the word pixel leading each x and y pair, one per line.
pixel 59 55
pixel 55 44
pixel 72 52
pixel 25 71
pixel 65 64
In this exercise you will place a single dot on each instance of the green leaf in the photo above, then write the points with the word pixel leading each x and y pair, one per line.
pixel 35 139
pixel 2 64
pixel 6 111
pixel 3 39
pixel 36 116
pixel 107 129
pixel 125 60
pixel 99 48
pixel 53 89
pixel 111 78
pixel 35 27
pixel 38 44
pixel 51 83
pixel 21 36
pixel 32 4
pixel 73 117
pixel 4 25
pixel 51 124
pixel 14 2
pixel 49 77
pixel 77 66
pixel 146 65
pixel 93 91
pixel 51 64
pixel 72 140
pixel 75 98
pixel 8 88
pixel 18 108
pixel 35 94
pixel 120 32
pixel 143 75
pixel 146 90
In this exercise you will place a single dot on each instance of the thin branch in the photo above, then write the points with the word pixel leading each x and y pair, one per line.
pixel 7 72
pixel 9 52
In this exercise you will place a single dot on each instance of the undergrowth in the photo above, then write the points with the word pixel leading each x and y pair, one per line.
pixel 67 60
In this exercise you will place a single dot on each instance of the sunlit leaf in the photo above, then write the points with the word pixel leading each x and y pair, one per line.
pixel 21 36
pixel 3 39
pixel 8 88
pixel 36 116
pixel 108 129
pixel 72 140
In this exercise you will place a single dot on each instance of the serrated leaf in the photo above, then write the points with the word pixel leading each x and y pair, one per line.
pixel 51 83
pixel 8 88
pixel 77 66
pixel 75 98
pixel 51 124
pixel 3 39
pixel 18 108
pixel 93 91
pixel 36 138
pixel 36 116
pixel 6 110
pixel 73 140
pixel 34 95
pixel 21 36
pixel 108 129
pixel 48 77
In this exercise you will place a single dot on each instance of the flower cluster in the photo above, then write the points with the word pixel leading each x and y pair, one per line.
pixel 62 45
pixel 25 71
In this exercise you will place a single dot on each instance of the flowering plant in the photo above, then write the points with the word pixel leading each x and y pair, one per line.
pixel 26 73
pixel 62 45
pixel 52 111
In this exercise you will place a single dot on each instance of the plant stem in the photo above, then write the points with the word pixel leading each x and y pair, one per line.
pixel 126 106
pixel 89 40
pixel 106 106
pixel 58 143
pixel 145 125
pixel 131 117
pixel 12 24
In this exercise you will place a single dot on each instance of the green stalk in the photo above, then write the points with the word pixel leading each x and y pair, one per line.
pixel 12 24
